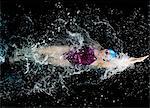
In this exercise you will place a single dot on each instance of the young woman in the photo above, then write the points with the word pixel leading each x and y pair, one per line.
pixel 86 55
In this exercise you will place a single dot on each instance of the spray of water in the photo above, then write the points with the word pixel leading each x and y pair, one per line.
pixel 48 78
pixel 48 82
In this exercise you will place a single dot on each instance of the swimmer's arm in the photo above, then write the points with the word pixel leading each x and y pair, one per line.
pixel 132 60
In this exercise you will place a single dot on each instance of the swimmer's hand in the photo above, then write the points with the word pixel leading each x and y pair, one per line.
pixel 133 60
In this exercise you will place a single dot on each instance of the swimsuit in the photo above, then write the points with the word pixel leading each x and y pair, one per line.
pixel 83 56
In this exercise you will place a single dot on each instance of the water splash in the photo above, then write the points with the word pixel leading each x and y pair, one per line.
pixel 3 52
pixel 118 65
pixel 63 30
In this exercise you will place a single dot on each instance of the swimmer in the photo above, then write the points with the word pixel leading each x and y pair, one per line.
pixel 86 55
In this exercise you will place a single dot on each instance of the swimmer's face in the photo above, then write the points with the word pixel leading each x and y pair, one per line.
pixel 109 54
pixel 105 56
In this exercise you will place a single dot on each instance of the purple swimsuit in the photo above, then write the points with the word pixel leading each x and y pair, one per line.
pixel 84 56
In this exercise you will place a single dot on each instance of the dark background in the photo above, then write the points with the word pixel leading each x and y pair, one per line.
pixel 134 82
pixel 9 6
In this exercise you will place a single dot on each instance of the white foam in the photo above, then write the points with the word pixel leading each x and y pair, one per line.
pixel 118 65
pixel 2 59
